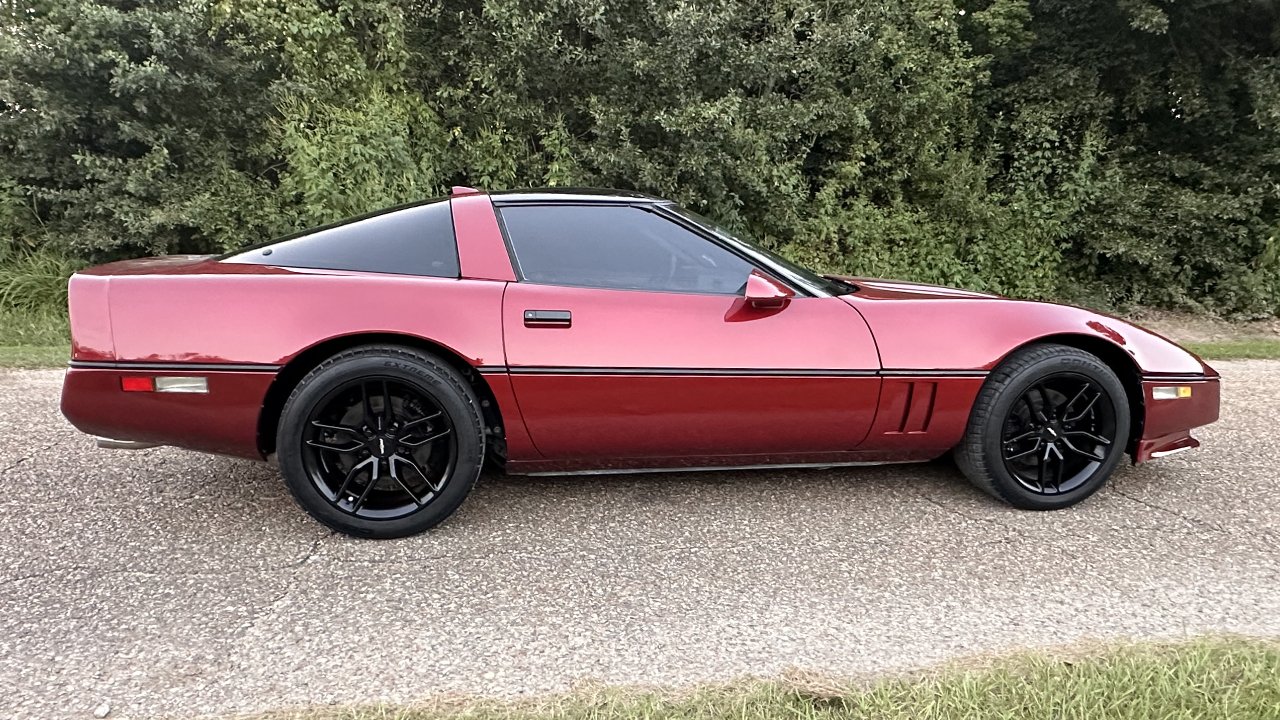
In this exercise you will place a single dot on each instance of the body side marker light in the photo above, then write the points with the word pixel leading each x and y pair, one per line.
pixel 182 384
pixel 137 384
pixel 165 384
pixel 1171 392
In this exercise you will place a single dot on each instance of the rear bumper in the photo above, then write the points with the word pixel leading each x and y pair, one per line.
pixel 1168 423
pixel 224 420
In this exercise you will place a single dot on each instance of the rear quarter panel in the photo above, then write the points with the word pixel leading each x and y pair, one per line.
pixel 268 315
pixel 89 301
pixel 226 316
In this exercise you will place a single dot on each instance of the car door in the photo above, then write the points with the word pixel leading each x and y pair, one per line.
pixel 627 336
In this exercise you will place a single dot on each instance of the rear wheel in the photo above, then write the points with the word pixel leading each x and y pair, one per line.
pixel 1047 429
pixel 381 442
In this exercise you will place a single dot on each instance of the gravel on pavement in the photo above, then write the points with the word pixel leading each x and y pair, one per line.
pixel 169 583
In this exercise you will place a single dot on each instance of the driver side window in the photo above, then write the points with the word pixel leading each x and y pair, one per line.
pixel 618 247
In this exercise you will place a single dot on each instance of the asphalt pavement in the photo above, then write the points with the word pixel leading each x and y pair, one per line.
pixel 169 583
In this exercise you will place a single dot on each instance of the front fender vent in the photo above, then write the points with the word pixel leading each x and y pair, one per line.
pixel 910 405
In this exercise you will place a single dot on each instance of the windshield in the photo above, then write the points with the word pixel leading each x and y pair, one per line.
pixel 771 260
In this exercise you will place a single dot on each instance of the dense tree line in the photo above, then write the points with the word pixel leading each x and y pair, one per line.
pixel 1102 151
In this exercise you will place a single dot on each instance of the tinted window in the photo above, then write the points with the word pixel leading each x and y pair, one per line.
pixel 414 241
pixel 785 267
pixel 618 247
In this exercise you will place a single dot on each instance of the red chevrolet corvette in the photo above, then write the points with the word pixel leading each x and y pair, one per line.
pixel 383 360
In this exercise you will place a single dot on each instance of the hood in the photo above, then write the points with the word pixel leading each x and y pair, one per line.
pixel 935 328
pixel 874 289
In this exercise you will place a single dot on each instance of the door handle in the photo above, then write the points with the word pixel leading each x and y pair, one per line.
pixel 547 318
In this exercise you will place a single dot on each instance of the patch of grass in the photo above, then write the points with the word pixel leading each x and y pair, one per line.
pixel 35 281
pixel 1207 678
pixel 45 327
pixel 34 337
pixel 1240 350
pixel 34 331
pixel 34 356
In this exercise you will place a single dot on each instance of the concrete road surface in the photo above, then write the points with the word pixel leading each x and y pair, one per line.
pixel 176 584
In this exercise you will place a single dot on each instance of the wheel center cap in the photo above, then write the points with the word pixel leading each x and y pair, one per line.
pixel 381 446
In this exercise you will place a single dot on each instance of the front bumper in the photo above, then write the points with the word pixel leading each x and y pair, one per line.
pixel 1168 423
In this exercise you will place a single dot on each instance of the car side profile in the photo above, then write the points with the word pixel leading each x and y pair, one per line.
pixel 384 360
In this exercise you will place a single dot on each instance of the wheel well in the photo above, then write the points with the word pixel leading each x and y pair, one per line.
pixel 304 362
pixel 1120 363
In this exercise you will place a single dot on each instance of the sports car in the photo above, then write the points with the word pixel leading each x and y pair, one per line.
pixel 383 361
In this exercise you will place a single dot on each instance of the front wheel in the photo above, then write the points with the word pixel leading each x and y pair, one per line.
pixel 381 442
pixel 1047 429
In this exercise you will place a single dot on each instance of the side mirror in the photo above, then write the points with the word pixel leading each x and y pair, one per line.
pixel 765 293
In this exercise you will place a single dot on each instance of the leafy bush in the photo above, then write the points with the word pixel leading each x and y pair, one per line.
pixel 35 281
pixel 1102 151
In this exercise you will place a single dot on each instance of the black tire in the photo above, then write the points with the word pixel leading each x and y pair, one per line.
pixel 1029 406
pixel 381 441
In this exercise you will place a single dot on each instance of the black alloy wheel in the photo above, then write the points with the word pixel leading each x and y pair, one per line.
pixel 1060 432
pixel 379 448
pixel 381 441
pixel 1048 427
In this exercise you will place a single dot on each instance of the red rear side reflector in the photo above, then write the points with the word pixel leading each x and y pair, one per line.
pixel 137 384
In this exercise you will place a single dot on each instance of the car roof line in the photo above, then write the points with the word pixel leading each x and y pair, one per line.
pixel 573 196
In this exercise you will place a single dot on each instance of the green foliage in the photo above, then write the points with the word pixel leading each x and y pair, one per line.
pixel 345 160
pixel 1103 151
pixel 1174 106
pixel 133 128
pixel 43 327
pixel 33 281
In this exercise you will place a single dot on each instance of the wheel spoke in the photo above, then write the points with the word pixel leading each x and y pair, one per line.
pixel 391 468
pixel 408 460
pixel 1023 436
pixel 344 449
pixel 435 486
pixel 424 441
pixel 1046 407
pixel 386 407
pixel 337 428
pixel 1085 411
pixel 368 407
pixel 1057 473
pixel 1042 459
pixel 1031 410
pixel 373 480
pixel 1073 400
pixel 1025 452
pixel 419 421
pixel 1082 453
pixel 1081 433
pixel 355 470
